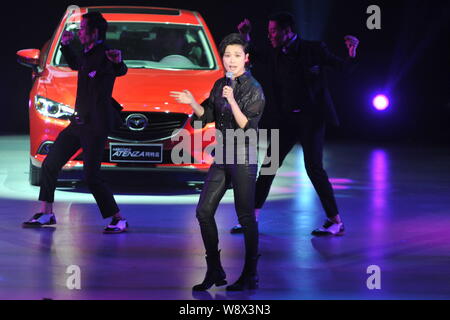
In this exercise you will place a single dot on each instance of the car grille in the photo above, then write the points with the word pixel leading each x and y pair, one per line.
pixel 161 126
pixel 167 159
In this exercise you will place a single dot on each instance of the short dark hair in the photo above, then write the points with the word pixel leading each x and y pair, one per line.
pixel 95 20
pixel 283 19
pixel 233 38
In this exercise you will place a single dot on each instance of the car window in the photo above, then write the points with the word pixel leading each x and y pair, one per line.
pixel 154 46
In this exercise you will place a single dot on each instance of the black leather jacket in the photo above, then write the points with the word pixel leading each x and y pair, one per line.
pixel 250 98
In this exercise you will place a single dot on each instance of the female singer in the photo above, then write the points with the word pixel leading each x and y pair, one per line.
pixel 234 104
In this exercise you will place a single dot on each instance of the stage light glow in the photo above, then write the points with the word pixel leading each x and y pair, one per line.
pixel 381 102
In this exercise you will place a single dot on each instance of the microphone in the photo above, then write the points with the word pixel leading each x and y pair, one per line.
pixel 229 80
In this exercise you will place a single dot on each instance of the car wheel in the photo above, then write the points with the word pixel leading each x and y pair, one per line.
pixel 35 175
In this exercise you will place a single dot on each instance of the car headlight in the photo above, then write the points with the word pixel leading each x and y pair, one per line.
pixel 53 109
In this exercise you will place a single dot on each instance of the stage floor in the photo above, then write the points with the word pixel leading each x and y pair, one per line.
pixel 394 201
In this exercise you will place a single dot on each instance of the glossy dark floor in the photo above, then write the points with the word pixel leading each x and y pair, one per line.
pixel 394 200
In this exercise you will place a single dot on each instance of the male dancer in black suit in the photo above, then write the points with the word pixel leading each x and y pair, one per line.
pixel 94 117
pixel 304 107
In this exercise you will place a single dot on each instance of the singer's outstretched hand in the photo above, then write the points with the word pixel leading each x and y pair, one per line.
pixel 184 97
pixel 228 94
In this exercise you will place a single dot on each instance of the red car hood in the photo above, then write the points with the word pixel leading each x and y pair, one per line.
pixel 140 89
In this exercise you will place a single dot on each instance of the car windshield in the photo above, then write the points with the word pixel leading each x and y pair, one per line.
pixel 153 46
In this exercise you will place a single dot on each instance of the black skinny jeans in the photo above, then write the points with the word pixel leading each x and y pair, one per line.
pixel 242 177
pixel 68 142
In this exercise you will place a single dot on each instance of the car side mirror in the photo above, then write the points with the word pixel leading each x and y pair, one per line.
pixel 29 58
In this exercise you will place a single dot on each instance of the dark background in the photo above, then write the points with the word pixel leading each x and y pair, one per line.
pixel 409 58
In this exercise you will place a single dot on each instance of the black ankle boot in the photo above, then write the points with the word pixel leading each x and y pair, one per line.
pixel 214 275
pixel 249 277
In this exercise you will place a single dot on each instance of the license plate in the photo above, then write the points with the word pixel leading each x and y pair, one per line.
pixel 135 153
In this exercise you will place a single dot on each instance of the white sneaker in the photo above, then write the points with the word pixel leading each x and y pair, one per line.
pixel 330 229
pixel 39 220
pixel 116 226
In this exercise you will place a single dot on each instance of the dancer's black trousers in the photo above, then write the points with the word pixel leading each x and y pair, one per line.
pixel 68 142
pixel 310 132
pixel 243 178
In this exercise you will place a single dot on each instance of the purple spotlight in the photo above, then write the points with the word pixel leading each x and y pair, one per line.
pixel 381 102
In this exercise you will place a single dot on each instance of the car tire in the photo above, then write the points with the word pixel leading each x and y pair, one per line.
pixel 35 175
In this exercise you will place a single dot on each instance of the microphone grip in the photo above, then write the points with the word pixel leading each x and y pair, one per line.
pixel 227 83
pixel 229 79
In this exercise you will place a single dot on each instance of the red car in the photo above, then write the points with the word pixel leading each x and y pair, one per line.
pixel 164 49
